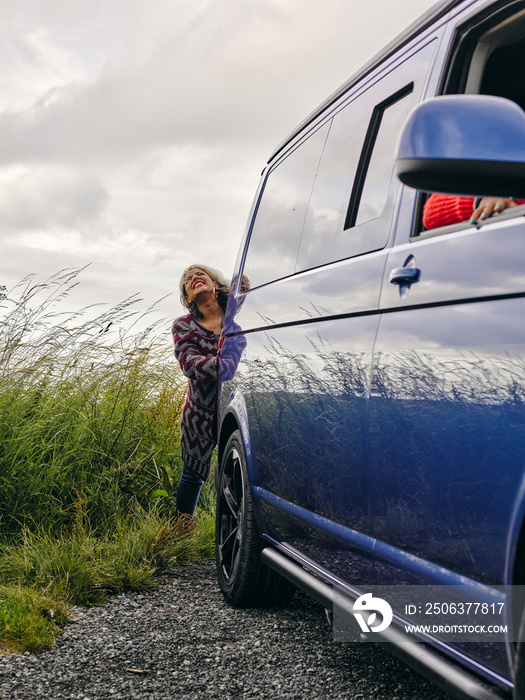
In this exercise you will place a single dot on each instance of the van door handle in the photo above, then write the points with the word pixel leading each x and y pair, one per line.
pixel 404 275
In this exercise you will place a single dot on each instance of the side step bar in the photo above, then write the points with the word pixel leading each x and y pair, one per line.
pixel 421 657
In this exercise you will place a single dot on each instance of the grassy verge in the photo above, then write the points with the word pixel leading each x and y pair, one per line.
pixel 47 572
pixel 89 460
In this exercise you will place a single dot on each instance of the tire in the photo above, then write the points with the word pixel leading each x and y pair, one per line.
pixel 244 580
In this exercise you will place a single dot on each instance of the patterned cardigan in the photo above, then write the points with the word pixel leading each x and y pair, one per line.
pixel 196 350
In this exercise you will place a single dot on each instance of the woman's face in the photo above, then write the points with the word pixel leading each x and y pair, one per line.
pixel 198 283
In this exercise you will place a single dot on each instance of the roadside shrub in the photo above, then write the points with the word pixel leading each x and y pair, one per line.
pixel 85 408
pixel 90 406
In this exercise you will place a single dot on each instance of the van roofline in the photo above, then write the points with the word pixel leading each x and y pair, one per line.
pixel 439 9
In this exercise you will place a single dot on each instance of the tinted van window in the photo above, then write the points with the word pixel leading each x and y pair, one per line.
pixel 345 217
pixel 387 122
pixel 279 221
pixel 487 60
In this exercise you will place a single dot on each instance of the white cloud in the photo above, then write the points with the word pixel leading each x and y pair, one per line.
pixel 133 133
pixel 48 195
pixel 45 46
pixel 201 72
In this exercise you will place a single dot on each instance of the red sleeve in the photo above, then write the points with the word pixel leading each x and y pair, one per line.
pixel 443 209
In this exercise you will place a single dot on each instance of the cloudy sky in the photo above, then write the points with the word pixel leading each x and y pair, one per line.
pixel 133 132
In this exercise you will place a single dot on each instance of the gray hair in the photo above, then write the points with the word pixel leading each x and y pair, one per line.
pixel 223 288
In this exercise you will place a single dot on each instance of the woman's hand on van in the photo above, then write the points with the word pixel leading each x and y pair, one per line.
pixel 491 205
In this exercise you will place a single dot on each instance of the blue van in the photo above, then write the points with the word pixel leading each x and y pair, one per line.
pixel 373 435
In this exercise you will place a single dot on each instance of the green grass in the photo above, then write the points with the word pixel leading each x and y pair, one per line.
pixel 89 459
pixel 47 572
pixel 29 619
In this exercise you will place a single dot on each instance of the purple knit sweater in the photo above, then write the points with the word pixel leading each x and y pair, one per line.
pixel 196 350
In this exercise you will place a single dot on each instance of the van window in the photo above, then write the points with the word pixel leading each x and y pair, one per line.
pixel 349 215
pixel 496 67
pixel 386 123
pixel 387 120
pixel 279 220
pixel 488 60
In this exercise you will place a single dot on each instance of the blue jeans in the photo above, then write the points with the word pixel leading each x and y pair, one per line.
pixel 188 492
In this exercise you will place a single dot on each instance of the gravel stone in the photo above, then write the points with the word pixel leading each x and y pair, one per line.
pixel 183 641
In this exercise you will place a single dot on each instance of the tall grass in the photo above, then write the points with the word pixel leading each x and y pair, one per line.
pixel 90 406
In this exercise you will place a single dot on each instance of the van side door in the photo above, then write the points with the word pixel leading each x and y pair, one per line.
pixel 448 401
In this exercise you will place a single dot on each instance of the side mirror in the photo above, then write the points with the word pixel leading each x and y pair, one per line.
pixel 464 144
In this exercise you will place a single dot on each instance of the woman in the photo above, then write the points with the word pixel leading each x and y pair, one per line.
pixel 204 292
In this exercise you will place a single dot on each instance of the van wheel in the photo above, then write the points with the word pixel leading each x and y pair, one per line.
pixel 243 578
pixel 519 680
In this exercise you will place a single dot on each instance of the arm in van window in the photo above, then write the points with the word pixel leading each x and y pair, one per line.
pixel 486 206
pixel 443 209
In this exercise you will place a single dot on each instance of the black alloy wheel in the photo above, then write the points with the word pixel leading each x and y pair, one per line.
pixel 243 578
pixel 230 516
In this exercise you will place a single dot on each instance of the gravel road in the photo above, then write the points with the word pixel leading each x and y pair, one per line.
pixel 183 641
